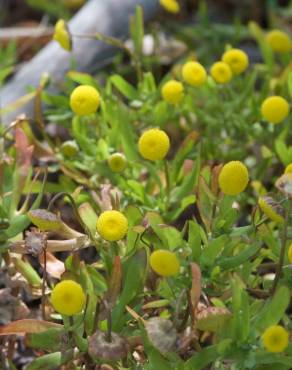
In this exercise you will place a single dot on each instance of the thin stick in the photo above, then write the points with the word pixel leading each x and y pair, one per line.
pixel 44 282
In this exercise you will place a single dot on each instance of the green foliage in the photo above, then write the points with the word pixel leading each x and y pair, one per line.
pixel 54 8
pixel 235 276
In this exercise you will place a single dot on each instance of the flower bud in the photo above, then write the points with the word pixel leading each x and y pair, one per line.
pixel 117 162
pixel 69 148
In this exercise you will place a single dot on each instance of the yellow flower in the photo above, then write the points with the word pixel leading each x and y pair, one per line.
pixel 68 298
pixel 275 109
pixel 112 225
pixel 194 73
pixel 236 59
pixel 221 72
pixel 288 168
pixel 153 144
pixel 233 178
pixel 62 35
pixel 279 41
pixel 164 263
pixel 290 254
pixel 172 92
pixel 275 339
pixel 271 209
pixel 117 162
pixel 84 100
pixel 171 6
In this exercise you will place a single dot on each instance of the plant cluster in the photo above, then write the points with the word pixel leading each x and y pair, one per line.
pixel 182 188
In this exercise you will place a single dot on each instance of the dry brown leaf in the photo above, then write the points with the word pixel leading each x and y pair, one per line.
pixel 54 266
pixel 196 285
pixel 27 326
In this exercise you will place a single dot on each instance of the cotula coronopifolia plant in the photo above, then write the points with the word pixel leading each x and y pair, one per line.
pixel 176 256
pixel 211 106
pixel 158 290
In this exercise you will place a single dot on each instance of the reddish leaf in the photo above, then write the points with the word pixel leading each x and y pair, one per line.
pixel 24 151
pixel 115 282
pixel 27 326
pixel 192 137
pixel 214 181
pixel 196 285
pixel 187 166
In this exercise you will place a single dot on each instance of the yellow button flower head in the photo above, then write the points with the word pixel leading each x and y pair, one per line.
pixel 290 254
pixel 172 91
pixel 117 162
pixel 288 168
pixel 279 41
pixel 84 100
pixel 112 225
pixel 275 339
pixel 271 209
pixel 62 35
pixel 154 144
pixel 171 6
pixel 68 298
pixel 194 73
pixel 221 72
pixel 164 263
pixel 275 109
pixel 233 178
pixel 236 59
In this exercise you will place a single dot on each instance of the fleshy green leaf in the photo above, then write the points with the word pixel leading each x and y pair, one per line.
pixel 273 310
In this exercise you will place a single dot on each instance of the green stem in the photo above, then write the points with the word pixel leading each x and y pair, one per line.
pixel 168 281
pixel 107 40
pixel 109 323
pixel 71 330
pixel 180 322
pixel 283 249
pixel 75 209
pixel 117 43
pixel 167 178
pixel 214 210
pixel 143 240
pixel 96 317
